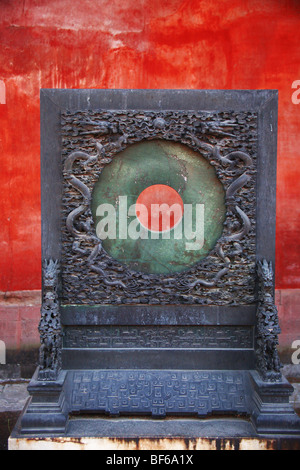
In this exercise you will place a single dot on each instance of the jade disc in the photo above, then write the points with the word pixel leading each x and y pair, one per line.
pixel 160 162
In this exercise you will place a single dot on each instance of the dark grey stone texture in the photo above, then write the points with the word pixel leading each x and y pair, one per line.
pixel 88 364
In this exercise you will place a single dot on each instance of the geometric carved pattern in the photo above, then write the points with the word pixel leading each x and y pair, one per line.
pixel 159 393
pixel 159 337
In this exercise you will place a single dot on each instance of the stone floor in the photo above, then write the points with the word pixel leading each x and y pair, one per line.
pixel 13 396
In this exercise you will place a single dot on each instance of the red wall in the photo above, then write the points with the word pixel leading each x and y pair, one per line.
pixel 138 44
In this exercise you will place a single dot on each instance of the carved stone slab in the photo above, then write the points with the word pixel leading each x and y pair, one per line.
pixel 159 337
pixel 119 341
pixel 159 393
pixel 91 140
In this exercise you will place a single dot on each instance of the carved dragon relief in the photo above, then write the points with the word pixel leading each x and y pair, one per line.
pixel 50 325
pixel 268 362
pixel 109 139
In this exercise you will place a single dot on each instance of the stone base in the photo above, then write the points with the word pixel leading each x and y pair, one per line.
pixel 170 434
pixel 201 410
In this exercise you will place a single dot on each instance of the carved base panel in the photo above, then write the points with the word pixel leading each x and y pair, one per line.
pixel 159 393
pixel 55 407
pixel 179 337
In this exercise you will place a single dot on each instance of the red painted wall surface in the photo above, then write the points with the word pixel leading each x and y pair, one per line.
pixel 238 44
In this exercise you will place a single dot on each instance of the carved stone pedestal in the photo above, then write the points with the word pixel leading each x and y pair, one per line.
pixel 47 410
pixel 163 326
pixel 271 410
pixel 257 408
pixel 169 434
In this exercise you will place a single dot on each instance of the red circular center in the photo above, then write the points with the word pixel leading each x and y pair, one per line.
pixel 159 208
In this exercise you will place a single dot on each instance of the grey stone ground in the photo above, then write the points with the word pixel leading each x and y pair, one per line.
pixel 13 396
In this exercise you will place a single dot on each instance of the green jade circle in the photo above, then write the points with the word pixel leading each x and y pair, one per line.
pixel 161 162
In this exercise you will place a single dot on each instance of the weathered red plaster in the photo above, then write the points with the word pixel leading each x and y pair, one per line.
pixel 2 92
pixel 138 44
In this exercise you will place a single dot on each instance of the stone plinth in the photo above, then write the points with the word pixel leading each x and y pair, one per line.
pixel 121 434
